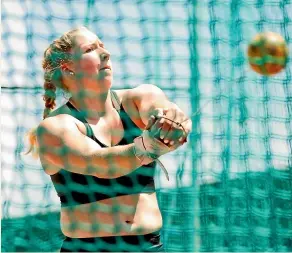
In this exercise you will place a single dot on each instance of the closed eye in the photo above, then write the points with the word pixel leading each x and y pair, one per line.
pixel 94 46
pixel 89 49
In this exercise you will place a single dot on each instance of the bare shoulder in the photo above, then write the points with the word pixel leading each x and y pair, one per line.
pixel 131 99
pixel 142 91
pixel 56 123
pixel 48 133
pixel 122 94
pixel 58 119
pixel 51 129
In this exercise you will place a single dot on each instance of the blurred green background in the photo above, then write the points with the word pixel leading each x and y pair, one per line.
pixel 230 187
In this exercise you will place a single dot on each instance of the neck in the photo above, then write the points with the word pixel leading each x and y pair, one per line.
pixel 93 108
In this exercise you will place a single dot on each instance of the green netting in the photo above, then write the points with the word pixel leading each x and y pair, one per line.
pixel 230 189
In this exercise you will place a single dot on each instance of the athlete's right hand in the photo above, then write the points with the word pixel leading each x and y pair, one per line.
pixel 149 148
pixel 154 127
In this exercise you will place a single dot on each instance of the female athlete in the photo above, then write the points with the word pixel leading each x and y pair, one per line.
pixel 100 148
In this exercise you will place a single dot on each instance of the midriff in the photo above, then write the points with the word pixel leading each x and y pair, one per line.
pixel 136 214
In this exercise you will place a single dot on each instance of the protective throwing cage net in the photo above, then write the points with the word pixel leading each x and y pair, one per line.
pixel 237 195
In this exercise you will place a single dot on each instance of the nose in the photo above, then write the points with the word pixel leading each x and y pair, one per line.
pixel 105 56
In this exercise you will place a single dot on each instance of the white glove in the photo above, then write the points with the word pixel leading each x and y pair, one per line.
pixel 146 145
pixel 147 149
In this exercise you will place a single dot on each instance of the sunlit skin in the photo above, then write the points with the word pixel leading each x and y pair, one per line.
pixel 93 74
pixel 88 77
pixel 89 86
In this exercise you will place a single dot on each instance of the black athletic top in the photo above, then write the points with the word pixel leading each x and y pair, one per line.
pixel 75 189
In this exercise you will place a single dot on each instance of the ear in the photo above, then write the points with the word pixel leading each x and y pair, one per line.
pixel 66 69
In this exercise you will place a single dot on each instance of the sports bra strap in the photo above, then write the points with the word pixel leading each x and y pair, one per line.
pixel 117 104
pixel 89 131
pixel 115 100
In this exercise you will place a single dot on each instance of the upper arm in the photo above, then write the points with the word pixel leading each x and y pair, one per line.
pixel 148 97
pixel 62 145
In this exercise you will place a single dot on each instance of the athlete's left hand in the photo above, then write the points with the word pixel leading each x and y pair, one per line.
pixel 174 126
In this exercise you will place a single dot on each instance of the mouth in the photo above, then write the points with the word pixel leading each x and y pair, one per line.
pixel 106 68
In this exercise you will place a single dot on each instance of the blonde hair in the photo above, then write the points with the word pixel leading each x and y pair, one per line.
pixel 55 55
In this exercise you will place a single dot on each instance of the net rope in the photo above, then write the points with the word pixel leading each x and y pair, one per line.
pixel 230 189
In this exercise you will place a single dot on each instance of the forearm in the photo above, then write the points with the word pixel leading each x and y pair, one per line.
pixel 148 98
pixel 109 162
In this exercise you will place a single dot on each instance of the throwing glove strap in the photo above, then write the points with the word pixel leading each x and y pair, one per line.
pixel 145 157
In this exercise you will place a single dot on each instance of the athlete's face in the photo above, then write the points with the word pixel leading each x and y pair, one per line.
pixel 91 63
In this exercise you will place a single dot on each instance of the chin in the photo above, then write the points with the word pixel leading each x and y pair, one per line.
pixel 107 82
pixel 101 114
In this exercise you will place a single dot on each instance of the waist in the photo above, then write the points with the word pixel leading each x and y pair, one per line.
pixel 124 215
pixel 131 243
